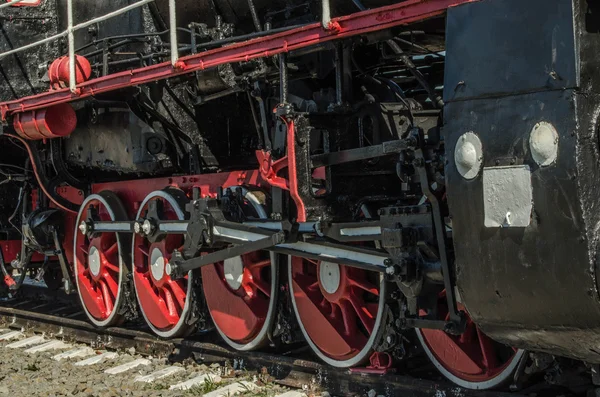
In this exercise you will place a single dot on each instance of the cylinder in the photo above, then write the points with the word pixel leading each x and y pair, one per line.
pixel 53 122
pixel 58 73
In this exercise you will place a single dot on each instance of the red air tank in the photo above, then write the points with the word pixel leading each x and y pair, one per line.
pixel 58 73
pixel 53 122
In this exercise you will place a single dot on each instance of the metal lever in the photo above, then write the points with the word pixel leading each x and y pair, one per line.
pixel 178 268
pixel 62 259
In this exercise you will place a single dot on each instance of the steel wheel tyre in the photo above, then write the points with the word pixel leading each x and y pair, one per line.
pixel 471 360
pixel 241 292
pixel 100 268
pixel 340 309
pixel 166 304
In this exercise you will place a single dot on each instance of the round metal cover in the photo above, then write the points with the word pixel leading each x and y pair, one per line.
pixel 468 155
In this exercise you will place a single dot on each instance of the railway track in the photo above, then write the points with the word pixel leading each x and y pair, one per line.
pixel 62 319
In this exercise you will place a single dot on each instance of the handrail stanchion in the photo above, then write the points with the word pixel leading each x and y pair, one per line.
pixel 173 32
pixel 71 40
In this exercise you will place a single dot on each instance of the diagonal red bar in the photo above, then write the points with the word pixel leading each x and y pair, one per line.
pixel 355 24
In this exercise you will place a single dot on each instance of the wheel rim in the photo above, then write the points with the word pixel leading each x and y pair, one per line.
pixel 165 303
pixel 241 292
pixel 471 360
pixel 99 264
pixel 339 309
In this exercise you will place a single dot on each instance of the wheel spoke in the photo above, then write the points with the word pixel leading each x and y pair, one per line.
pixel 262 286
pixel 111 283
pixel 488 351
pixel 178 292
pixel 365 317
pixel 168 298
pixel 364 285
pixel 450 351
pixel 112 250
pixel 106 296
pixel 84 248
pixel 258 265
pixel 348 317
pixel 328 336
pixel 143 249
pixel 112 267
pixel 153 305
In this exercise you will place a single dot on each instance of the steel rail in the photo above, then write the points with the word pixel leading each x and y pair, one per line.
pixel 343 27
pixel 293 367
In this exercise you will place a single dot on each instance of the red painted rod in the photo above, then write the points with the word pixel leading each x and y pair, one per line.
pixel 343 27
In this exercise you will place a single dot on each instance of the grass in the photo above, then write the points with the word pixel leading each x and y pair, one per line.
pixel 32 367
pixel 208 386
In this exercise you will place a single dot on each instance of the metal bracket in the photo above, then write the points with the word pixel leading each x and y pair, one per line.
pixel 62 259
pixel 178 269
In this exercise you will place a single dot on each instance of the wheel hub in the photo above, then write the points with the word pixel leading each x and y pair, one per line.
pixel 233 269
pixel 94 261
pixel 157 264
pixel 329 277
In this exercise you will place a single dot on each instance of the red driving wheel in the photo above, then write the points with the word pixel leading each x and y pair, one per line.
pixel 339 309
pixel 472 359
pixel 100 268
pixel 240 292
pixel 165 303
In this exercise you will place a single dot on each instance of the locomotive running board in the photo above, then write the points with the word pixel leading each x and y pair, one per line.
pixel 378 19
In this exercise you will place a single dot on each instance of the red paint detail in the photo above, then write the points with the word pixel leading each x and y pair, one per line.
pixel 70 193
pixel 162 301
pixel 355 24
pixel 132 193
pixel 58 72
pixel 35 172
pixel 380 364
pixel 471 356
pixel 180 66
pixel 292 173
pixel 240 314
pixel 341 323
pixel 53 122
pixel 10 249
pixel 26 3
pixel 319 173
pixel 334 27
pixel 98 292
pixel 8 280
pixel 269 170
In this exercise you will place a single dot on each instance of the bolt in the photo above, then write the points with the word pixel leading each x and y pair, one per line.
pixel 390 270
pixel 137 227
pixel 147 227
pixel 83 227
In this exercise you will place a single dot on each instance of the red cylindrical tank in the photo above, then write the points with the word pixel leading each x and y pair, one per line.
pixel 53 122
pixel 58 73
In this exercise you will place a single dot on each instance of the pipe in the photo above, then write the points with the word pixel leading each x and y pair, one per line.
pixel 254 14
pixel 76 27
pixel 37 176
pixel 284 79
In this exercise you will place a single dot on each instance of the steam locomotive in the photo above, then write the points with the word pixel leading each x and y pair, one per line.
pixel 384 180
